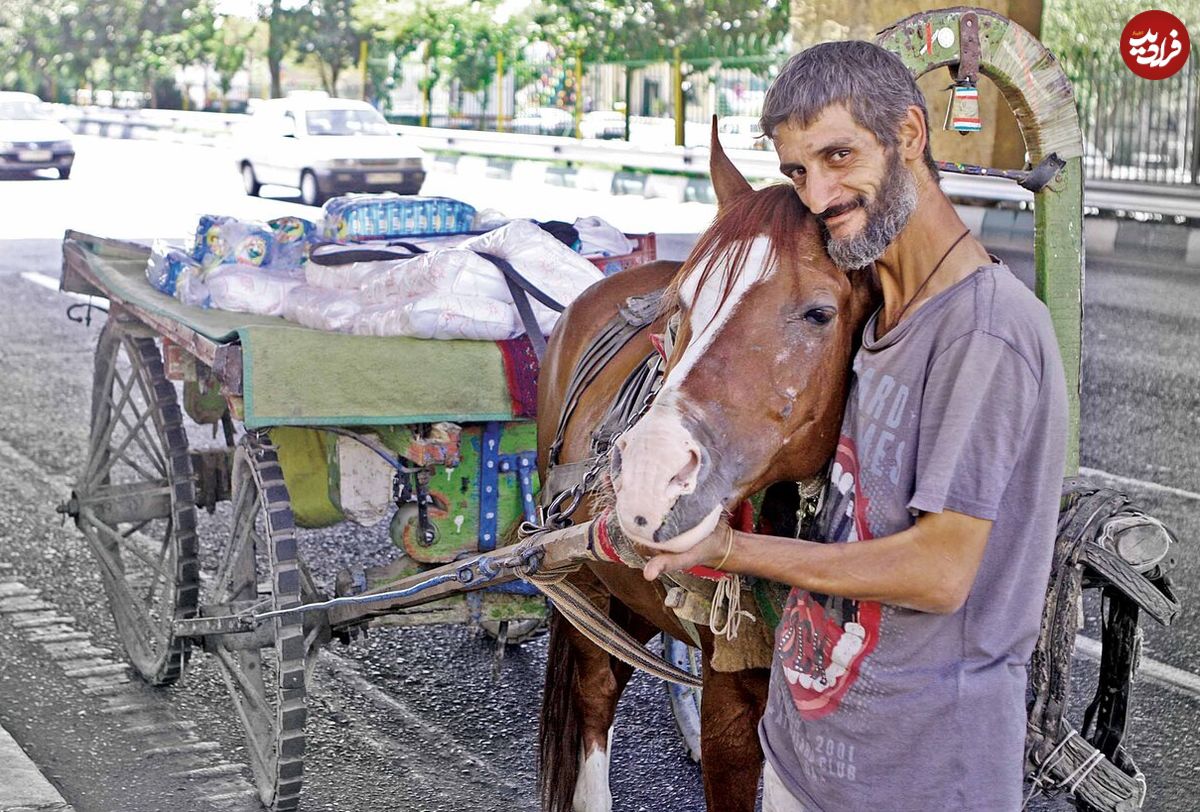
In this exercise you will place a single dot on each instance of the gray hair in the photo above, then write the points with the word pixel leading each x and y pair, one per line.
pixel 873 84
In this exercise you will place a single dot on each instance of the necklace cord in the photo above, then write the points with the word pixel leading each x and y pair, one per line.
pixel 928 277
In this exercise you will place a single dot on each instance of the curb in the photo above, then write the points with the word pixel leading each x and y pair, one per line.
pixel 23 788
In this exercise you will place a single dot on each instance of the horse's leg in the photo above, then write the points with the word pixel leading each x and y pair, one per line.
pixel 730 708
pixel 578 705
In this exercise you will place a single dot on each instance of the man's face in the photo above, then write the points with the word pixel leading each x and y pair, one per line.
pixel 861 193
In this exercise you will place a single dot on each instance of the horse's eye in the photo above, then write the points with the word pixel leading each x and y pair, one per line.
pixel 819 315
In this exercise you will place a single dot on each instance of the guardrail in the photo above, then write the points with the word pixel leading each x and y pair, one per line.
pixel 1121 197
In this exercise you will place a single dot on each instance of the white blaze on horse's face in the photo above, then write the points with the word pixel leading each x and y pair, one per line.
pixel 660 459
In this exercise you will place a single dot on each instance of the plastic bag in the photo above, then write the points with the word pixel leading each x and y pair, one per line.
pixel 597 237
pixel 322 309
pixel 250 290
pixel 165 265
pixel 442 316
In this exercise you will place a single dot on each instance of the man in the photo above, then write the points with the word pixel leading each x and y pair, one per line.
pixel 900 662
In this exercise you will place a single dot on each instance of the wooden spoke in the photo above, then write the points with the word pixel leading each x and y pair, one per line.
pixel 131 545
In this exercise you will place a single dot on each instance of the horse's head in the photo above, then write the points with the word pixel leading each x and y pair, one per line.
pixel 756 371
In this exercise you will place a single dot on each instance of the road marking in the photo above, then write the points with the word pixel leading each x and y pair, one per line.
pixel 50 283
pixel 1141 483
pixel 1185 682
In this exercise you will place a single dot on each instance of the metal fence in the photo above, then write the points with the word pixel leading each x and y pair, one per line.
pixel 1134 129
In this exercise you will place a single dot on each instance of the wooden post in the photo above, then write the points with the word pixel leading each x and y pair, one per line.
pixel 1041 98
pixel 628 99
pixel 500 92
pixel 578 92
pixel 677 94
pixel 362 66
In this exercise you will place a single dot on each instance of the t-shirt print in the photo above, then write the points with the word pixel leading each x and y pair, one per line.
pixel 823 640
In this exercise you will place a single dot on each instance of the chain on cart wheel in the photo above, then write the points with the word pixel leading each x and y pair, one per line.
pixel 685 700
pixel 265 671
pixel 134 501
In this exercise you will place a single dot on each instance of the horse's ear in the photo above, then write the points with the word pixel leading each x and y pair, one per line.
pixel 727 181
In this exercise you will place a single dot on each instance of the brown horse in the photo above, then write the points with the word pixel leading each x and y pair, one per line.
pixel 753 393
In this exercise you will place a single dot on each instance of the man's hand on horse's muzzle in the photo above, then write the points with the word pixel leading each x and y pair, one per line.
pixel 708 552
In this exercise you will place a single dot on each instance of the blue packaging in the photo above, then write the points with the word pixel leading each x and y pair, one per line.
pixel 293 236
pixel 165 265
pixel 391 216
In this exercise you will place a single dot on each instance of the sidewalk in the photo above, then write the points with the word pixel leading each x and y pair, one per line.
pixel 22 786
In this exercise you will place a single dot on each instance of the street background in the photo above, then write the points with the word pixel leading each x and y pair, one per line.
pixel 415 719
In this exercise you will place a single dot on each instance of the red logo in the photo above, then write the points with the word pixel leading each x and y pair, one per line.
pixel 1155 44
pixel 823 640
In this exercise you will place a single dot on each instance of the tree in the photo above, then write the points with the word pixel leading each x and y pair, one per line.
pixel 229 50
pixel 328 32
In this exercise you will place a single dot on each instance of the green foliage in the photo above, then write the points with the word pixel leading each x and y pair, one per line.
pixel 650 30
pixel 328 32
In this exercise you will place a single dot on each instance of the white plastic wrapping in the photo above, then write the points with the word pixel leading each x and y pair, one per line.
pixel 443 316
pixel 597 237
pixel 452 271
pixel 322 309
pixel 250 290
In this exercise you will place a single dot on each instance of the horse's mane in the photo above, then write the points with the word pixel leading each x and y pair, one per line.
pixel 774 212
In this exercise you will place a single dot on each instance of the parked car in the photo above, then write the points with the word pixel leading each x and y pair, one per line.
pixel 602 124
pixel 323 147
pixel 742 132
pixel 30 139
pixel 544 121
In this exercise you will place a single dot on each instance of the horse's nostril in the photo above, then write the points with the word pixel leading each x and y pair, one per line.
pixel 640 521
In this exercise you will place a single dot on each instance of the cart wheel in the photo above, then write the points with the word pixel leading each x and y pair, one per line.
pixel 134 501
pixel 685 700
pixel 265 672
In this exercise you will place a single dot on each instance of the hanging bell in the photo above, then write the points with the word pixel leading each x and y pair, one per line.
pixel 962 113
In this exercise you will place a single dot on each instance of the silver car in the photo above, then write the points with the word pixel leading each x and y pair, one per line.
pixel 30 139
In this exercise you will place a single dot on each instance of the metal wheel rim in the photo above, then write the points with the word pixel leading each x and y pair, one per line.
pixel 134 502
pixel 267 685
pixel 685 700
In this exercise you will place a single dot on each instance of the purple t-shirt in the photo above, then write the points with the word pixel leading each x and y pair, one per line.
pixel 961 407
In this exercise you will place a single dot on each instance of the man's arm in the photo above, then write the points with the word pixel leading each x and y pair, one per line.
pixel 929 567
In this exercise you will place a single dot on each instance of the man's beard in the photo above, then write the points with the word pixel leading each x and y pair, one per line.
pixel 887 215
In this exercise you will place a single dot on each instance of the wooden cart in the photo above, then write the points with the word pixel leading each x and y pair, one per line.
pixel 305 424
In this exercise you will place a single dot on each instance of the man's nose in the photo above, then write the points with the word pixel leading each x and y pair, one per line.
pixel 820 191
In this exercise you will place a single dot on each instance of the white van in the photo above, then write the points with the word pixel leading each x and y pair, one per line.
pixel 325 147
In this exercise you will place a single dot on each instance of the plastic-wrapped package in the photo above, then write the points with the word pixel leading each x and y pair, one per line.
pixel 389 215
pixel 207 241
pixel 191 287
pixel 165 265
pixel 344 277
pixel 547 263
pixel 225 241
pixel 250 290
pixel 292 237
pixel 597 237
pixel 321 308
pixel 454 271
pixel 442 316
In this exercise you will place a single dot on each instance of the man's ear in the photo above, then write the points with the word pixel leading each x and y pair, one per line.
pixel 913 135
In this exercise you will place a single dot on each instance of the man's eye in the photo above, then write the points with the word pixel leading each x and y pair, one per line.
pixel 796 174
pixel 841 155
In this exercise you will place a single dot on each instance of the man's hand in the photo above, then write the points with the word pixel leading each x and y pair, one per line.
pixel 708 552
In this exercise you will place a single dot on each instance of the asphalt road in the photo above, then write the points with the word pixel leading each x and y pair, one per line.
pixel 415 719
